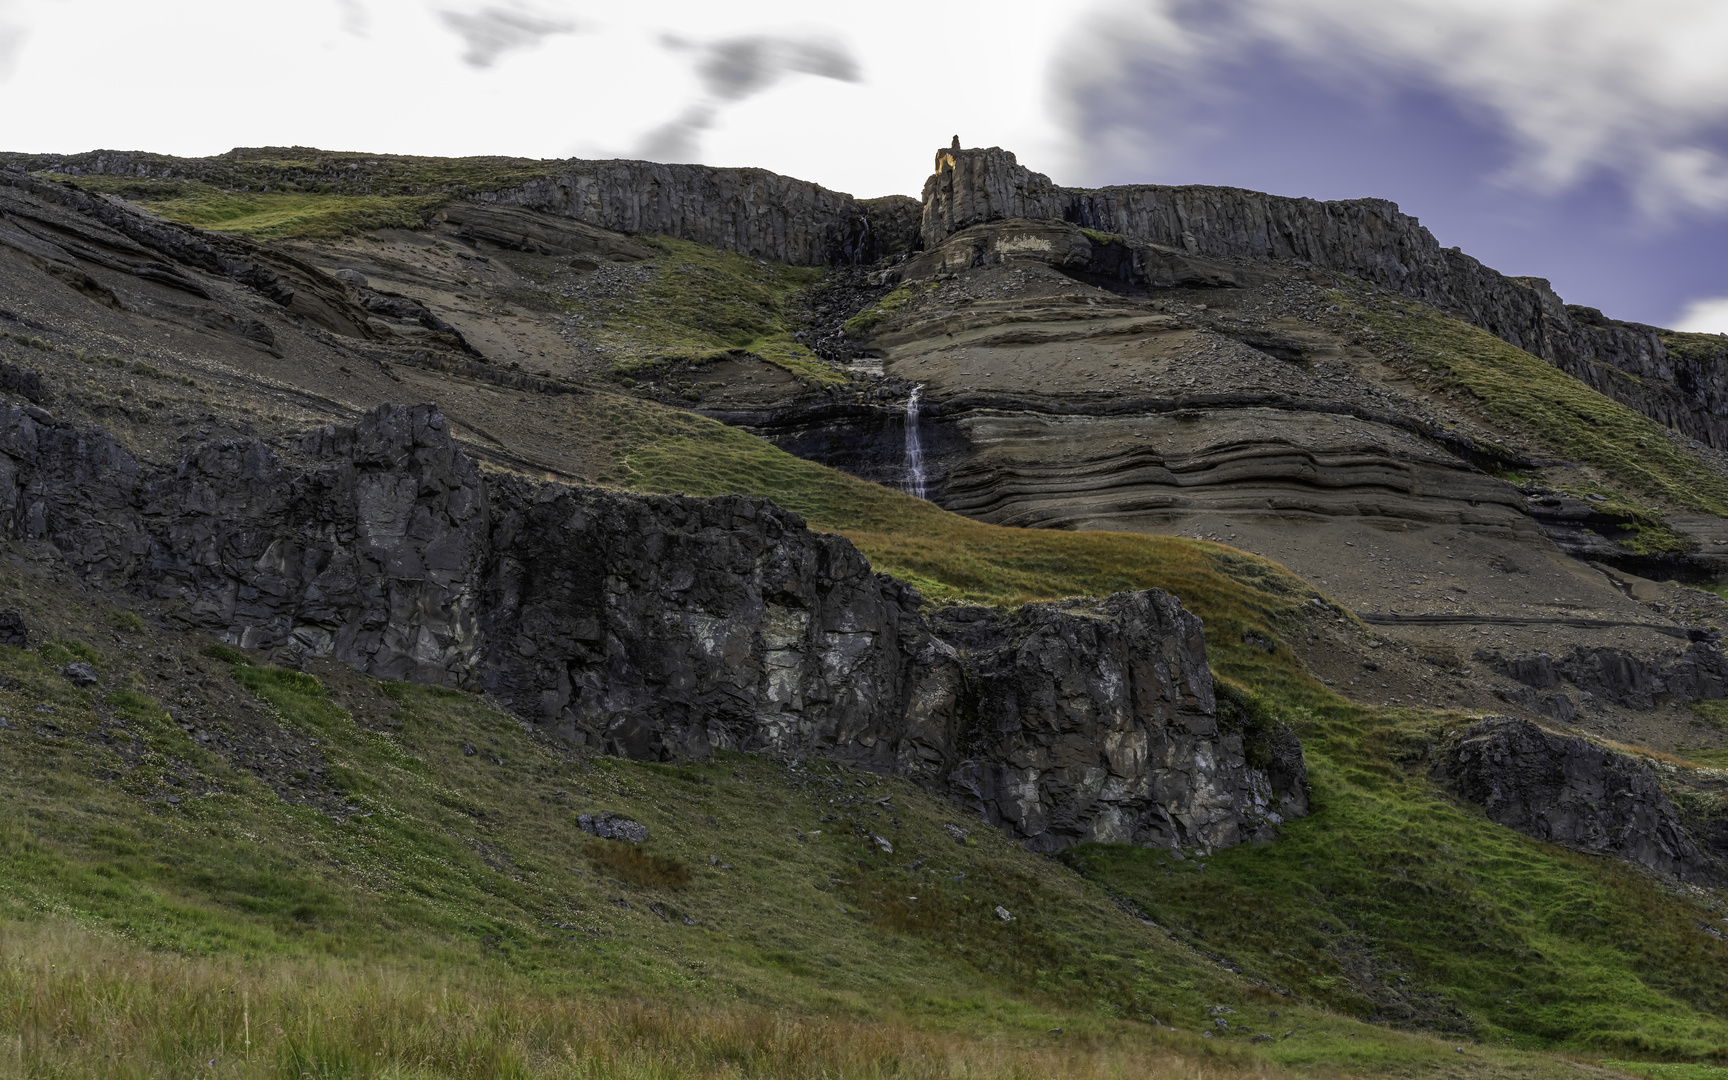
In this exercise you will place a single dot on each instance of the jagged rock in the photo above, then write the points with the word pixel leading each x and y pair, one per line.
pixel 1101 258
pixel 656 626
pixel 13 632
pixel 1369 238
pixel 1572 792
pixel 752 211
pixel 610 826
pixel 1697 673
pixel 80 674
pixel 1089 720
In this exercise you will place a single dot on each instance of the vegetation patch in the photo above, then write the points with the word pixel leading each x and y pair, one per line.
pixel 1532 396
pixel 293 215
pixel 630 863
pixel 861 324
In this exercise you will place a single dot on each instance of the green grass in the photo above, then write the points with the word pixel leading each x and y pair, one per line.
pixel 701 305
pixel 292 215
pixel 1566 417
pixel 871 317
pixel 1387 871
pixel 1512 940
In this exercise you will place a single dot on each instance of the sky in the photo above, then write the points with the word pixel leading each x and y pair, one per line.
pixel 1584 141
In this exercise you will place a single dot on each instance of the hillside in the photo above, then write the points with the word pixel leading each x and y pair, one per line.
pixel 338 786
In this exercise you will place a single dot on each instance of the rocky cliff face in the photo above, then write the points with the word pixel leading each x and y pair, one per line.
pixel 657 626
pixel 1574 793
pixel 1368 238
pixel 752 211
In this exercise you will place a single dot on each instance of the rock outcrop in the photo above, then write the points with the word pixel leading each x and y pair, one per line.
pixel 752 211
pixel 1697 673
pixel 657 626
pixel 1574 793
pixel 1685 388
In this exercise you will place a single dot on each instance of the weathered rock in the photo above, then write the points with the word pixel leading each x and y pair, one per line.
pixel 751 211
pixel 80 674
pixel 1572 792
pixel 654 626
pixel 13 632
pixel 610 826
pixel 1090 720
pixel 1697 673
pixel 1685 388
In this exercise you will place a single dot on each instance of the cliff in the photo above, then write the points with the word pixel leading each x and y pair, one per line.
pixel 1686 389
pixel 659 627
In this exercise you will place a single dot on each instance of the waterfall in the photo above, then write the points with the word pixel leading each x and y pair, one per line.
pixel 914 448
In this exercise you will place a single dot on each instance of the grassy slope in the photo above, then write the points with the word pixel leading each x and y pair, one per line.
pixel 1537 399
pixel 699 305
pixel 451 920
pixel 1525 943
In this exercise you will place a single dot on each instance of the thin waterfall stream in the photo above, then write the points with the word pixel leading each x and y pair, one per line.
pixel 914 447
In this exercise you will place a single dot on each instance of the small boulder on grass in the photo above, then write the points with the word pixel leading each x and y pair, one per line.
pixel 80 674
pixel 13 632
pixel 610 826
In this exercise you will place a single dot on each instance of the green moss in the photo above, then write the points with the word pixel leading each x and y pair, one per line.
pixel 701 305
pixel 1098 236
pixel 861 324
pixel 1566 417
pixel 293 215
pixel 1710 349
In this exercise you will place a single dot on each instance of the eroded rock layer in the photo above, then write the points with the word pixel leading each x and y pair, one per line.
pixel 658 626
pixel 1685 387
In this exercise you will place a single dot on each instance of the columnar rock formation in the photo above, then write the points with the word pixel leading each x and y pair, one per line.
pixel 752 211
pixel 657 626
pixel 1367 238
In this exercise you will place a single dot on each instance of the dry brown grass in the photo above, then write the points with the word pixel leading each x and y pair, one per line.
pixel 73 1004
pixel 638 868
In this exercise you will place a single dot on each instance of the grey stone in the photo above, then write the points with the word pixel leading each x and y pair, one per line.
pixel 13 632
pixel 610 826
pixel 1571 792
pixel 80 674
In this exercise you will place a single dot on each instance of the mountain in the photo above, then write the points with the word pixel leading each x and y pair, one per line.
pixel 1024 628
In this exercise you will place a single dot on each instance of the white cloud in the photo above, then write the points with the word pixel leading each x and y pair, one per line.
pixel 389 76
pixel 1704 316
pixel 1580 87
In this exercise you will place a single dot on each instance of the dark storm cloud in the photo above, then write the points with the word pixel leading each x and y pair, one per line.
pixel 494 30
pixel 733 69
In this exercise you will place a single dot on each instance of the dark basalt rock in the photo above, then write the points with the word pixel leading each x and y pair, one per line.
pixel 1572 792
pixel 1685 388
pixel 13 632
pixel 1697 673
pixel 657 626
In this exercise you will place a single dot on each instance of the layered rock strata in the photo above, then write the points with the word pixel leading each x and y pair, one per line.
pixel 658 626
pixel 1686 389
pixel 1574 793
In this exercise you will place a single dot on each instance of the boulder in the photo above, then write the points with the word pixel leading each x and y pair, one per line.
pixel 1572 792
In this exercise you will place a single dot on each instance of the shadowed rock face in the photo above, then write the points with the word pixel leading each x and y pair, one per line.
pixel 659 626
pixel 1572 792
